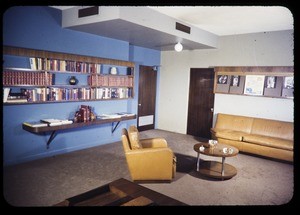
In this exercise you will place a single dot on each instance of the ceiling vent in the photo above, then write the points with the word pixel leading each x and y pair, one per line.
pixel 88 11
pixel 183 28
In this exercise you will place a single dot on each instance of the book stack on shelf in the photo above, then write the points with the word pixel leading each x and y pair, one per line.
pixel 35 124
pixel 48 122
pixel 109 116
pixel 114 115
pixel 18 77
pixel 15 97
pixel 56 122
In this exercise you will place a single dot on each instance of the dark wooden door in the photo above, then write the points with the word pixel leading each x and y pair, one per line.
pixel 201 102
pixel 147 98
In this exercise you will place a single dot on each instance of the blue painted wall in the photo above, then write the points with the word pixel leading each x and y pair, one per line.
pixel 39 28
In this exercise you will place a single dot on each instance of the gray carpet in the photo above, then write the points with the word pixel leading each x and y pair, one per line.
pixel 47 181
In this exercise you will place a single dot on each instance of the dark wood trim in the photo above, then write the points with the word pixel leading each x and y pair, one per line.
pixel 255 69
pixel 11 50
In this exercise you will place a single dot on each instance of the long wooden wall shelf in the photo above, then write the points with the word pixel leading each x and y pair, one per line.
pixel 266 81
pixel 55 129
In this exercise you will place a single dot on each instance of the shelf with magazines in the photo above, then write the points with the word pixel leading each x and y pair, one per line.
pixel 44 127
pixel 51 77
pixel 264 81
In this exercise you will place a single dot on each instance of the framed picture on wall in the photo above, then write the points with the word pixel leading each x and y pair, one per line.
pixel 254 85
pixel 270 82
pixel 288 82
pixel 222 79
pixel 235 81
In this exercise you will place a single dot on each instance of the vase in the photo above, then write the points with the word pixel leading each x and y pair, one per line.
pixel 73 80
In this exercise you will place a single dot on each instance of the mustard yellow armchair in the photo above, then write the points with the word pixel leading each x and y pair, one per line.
pixel 148 159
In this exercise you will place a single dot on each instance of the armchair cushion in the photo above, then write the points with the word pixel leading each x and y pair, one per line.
pixel 134 138
pixel 154 143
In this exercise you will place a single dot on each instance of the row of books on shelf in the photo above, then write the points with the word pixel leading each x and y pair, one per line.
pixel 11 78
pixel 26 78
pixel 69 94
pixel 104 80
pixel 64 65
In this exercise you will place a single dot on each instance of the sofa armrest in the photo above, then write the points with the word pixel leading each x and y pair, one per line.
pixel 154 143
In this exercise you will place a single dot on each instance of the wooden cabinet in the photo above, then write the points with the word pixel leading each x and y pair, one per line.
pixel 267 81
pixel 48 77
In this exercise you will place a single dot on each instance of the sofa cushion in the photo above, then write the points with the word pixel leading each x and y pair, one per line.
pixel 273 128
pixel 234 122
pixel 134 138
pixel 269 141
pixel 229 134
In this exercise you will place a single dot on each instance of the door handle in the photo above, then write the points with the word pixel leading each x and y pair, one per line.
pixel 212 110
pixel 140 104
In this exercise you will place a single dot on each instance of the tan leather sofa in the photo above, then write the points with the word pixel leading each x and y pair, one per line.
pixel 152 160
pixel 265 137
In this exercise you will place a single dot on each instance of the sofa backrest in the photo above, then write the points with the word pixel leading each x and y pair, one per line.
pixel 273 128
pixel 234 122
pixel 259 126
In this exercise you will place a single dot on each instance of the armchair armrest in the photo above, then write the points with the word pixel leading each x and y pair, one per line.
pixel 154 143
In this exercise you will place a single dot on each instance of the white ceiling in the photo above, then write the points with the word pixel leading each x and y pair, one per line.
pixel 229 20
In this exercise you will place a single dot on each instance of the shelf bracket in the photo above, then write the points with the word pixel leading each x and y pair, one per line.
pixel 50 138
pixel 113 128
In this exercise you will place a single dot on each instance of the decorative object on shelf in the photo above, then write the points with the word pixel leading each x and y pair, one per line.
pixel 73 80
pixel 84 114
pixel 113 71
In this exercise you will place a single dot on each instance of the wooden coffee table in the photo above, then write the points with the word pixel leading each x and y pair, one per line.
pixel 215 169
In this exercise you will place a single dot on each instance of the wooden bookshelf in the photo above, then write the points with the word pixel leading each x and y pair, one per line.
pixel 99 86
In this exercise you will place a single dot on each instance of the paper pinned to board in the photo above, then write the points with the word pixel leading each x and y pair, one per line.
pixel 146 120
